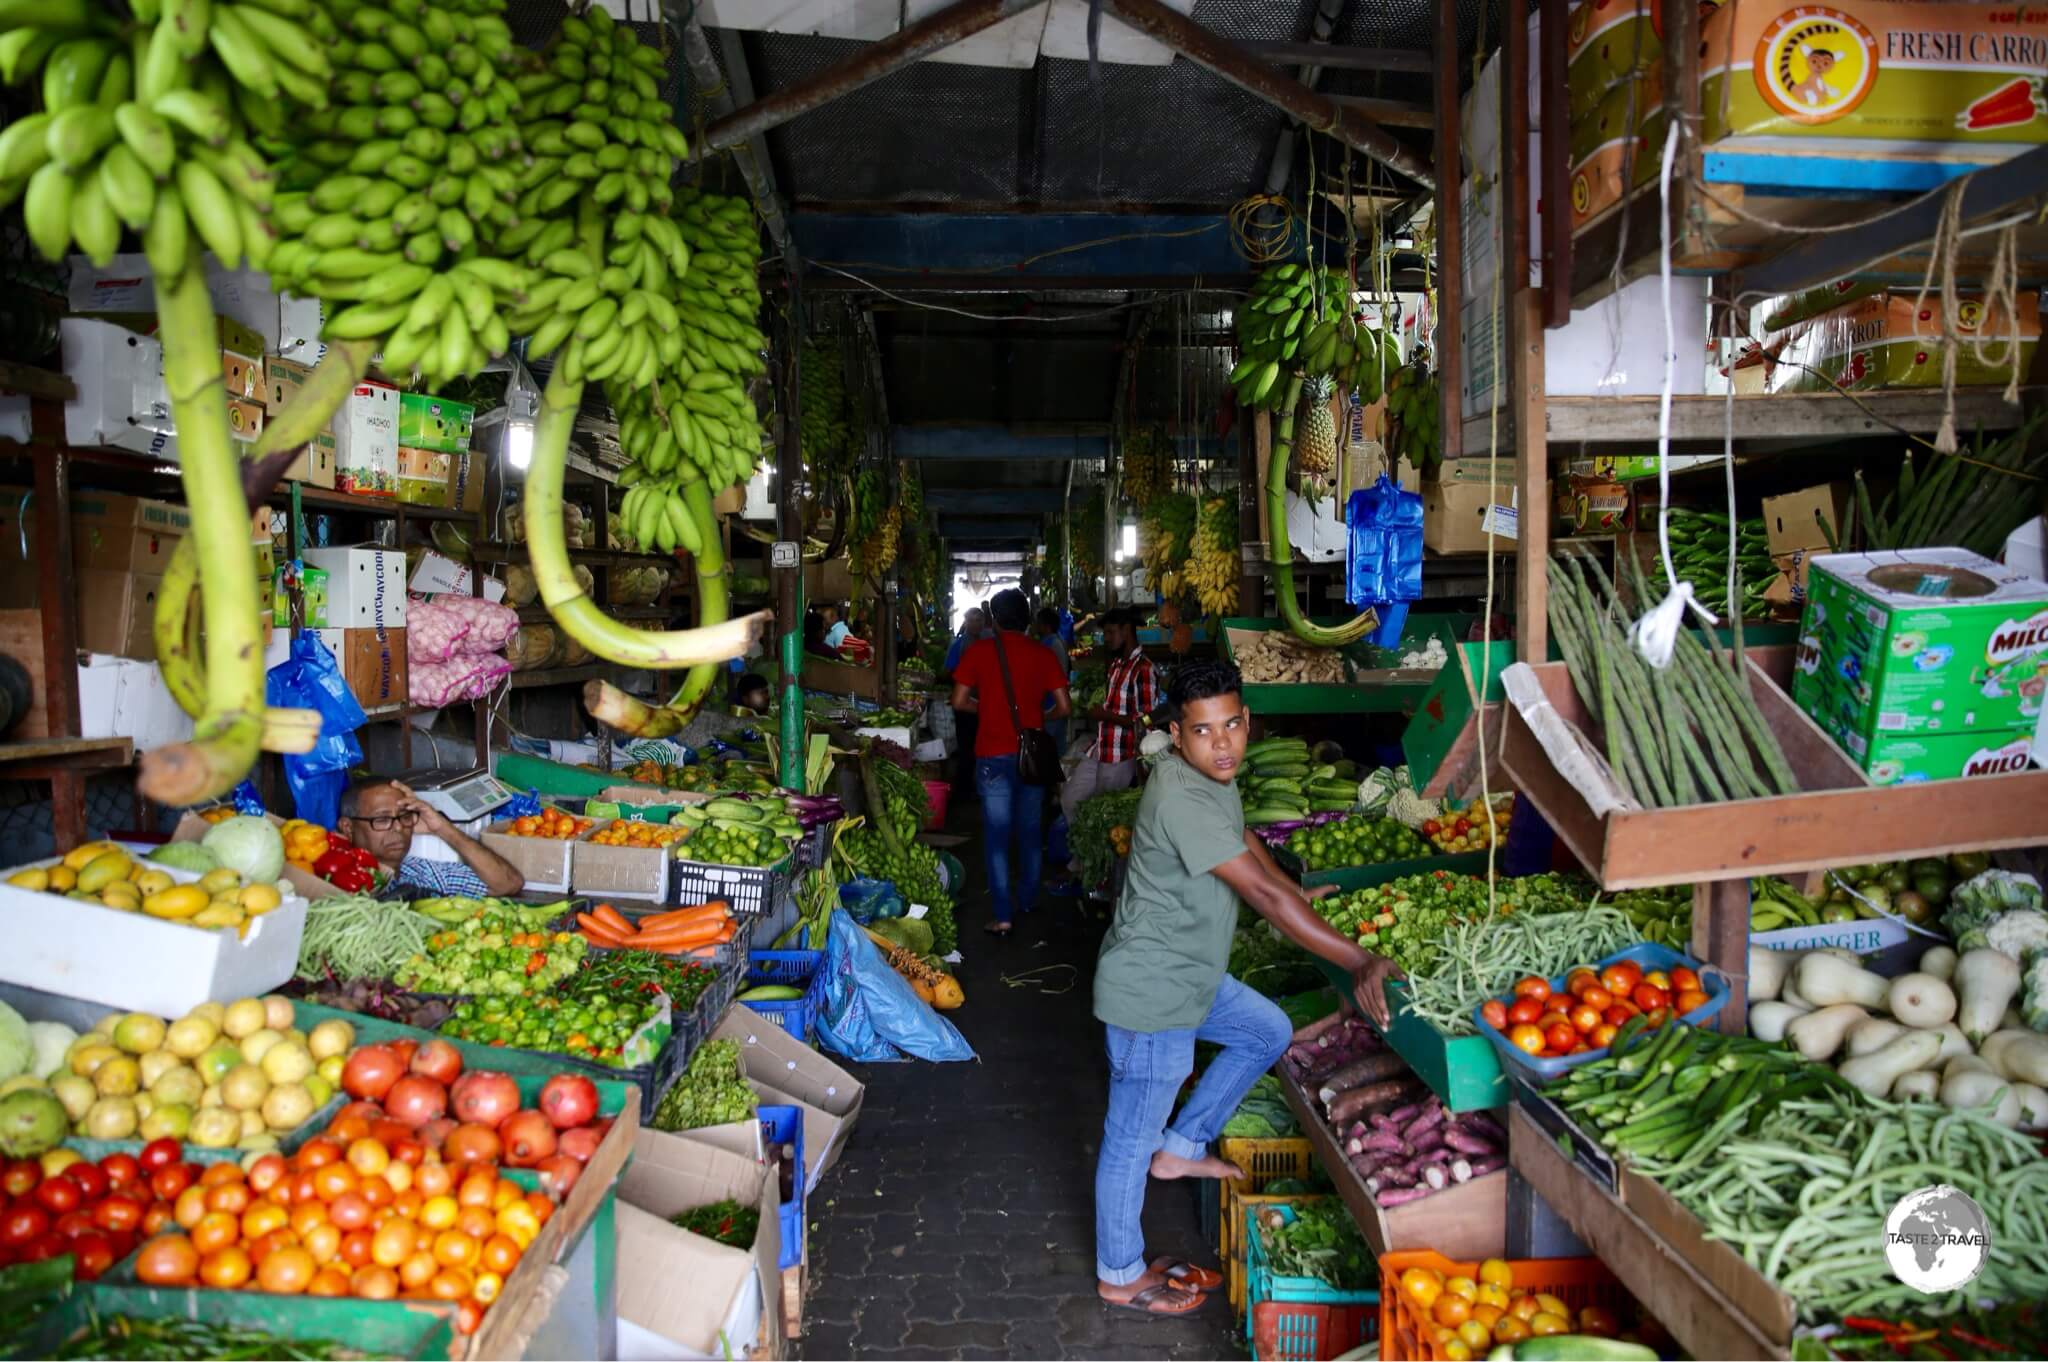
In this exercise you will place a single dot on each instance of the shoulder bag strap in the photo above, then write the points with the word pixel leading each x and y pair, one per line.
pixel 1009 690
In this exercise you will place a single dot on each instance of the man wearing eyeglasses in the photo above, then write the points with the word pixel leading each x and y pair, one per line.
pixel 381 815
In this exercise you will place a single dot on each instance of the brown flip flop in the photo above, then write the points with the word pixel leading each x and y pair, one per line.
pixel 1186 1276
pixel 1156 1301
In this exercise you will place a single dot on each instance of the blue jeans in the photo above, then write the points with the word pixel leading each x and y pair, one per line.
pixel 1009 806
pixel 1146 1070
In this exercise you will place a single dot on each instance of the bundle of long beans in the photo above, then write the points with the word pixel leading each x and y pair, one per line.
pixel 1699 550
pixel 1970 502
pixel 1688 733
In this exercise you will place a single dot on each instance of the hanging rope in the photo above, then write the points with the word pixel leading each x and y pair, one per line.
pixel 1262 242
pixel 1999 292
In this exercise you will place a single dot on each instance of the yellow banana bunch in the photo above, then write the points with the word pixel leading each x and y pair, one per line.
pixel 1212 567
pixel 1147 465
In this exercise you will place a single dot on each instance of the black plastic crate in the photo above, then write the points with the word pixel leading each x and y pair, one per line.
pixel 749 890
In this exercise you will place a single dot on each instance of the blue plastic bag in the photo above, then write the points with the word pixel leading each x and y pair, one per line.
pixel 868 899
pixel 311 679
pixel 870 1012
pixel 1383 555
pixel 247 799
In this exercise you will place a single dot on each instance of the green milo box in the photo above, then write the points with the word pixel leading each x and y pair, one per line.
pixel 1937 649
pixel 435 424
pixel 1894 760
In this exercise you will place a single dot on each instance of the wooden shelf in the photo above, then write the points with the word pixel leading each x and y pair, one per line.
pixel 77 752
pixel 564 676
pixel 516 553
pixel 321 498
pixel 1786 420
pixel 29 381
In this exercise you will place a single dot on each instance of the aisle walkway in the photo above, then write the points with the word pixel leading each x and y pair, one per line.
pixel 960 1222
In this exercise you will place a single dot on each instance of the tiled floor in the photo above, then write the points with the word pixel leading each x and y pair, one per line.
pixel 960 1221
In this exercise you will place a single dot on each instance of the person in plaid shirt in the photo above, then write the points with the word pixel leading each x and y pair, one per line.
pixel 1132 693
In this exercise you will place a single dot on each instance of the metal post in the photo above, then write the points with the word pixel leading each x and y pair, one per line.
pixel 1227 60
pixel 789 526
pixel 751 155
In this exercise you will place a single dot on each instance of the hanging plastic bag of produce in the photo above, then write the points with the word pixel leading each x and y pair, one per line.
pixel 871 1013
pixel 1383 561
pixel 311 679
pixel 869 899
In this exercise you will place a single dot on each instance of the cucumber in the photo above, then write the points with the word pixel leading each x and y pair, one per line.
pixel 1268 746
pixel 1273 815
pixel 770 993
pixel 1331 789
pixel 1581 1347
pixel 1331 805
pixel 1297 769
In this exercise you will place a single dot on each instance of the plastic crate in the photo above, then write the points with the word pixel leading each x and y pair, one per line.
pixel 749 890
pixel 798 969
pixel 1650 956
pixel 1290 1331
pixel 785 1126
pixel 1263 1161
pixel 714 1002
pixel 1266 1287
pixel 1405 1334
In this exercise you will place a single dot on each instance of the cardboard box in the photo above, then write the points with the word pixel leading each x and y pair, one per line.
pixel 544 862
pixel 126 512
pixel 1886 340
pixel 1633 467
pixel 841 678
pixel 374 662
pixel 121 548
pixel 366 441
pixel 799 1076
pixel 315 466
pixel 466 481
pixel 440 575
pixel 282 379
pixel 117 613
pixel 1590 505
pixel 144 964
pixel 1893 759
pixel 1462 511
pixel 244 377
pixel 245 307
pixel 1793 521
pixel 365 585
pixel 437 424
pixel 666 1177
pixel 1937 644
pixel 423 476
pixel 1615 147
pixel 1788 588
pixel 619 872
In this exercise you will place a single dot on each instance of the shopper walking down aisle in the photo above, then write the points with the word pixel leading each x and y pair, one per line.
pixel 1131 691
pixel 1004 680
pixel 1160 984
pixel 972 626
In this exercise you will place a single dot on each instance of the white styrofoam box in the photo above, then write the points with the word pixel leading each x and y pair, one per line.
pixel 760 505
pixel 1316 528
pixel 14 418
pixel 365 586
pixel 140 963
pixel 935 750
pixel 120 397
pixel 2026 549
pixel 1066 35
pixel 119 697
pixel 438 574
pixel 126 284
pixel 298 328
pixel 1614 348
pixel 99 694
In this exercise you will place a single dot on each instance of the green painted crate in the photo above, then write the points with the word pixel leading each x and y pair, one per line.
pixel 1374 687
pixel 408 1329
pixel 1348 878
pixel 1463 1070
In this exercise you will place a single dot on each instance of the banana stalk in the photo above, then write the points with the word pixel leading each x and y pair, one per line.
pixel 1320 636
pixel 230 729
pixel 573 611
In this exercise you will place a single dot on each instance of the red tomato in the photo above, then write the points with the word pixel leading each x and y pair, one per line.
pixel 156 1217
pixel 1657 1016
pixel 1531 986
pixel 90 1177
pixel 58 1195
pixel 1579 980
pixel 159 1154
pixel 121 1169
pixel 1580 1047
pixel 1657 978
pixel 1649 997
pixel 1495 1014
pixel 171 1178
pixel 1585 1018
pixel 91 1255
pixel 1688 1000
pixel 23 1223
pixel 20 1177
pixel 1527 1039
pixel 1597 996
pixel 1524 1010
pixel 43 1247
pixel 1603 1035
pixel 1560 1037
pixel 1553 1018
pixel 74 1224
pixel 118 1213
pixel 1683 979
pixel 1618 1014
pixel 1620 978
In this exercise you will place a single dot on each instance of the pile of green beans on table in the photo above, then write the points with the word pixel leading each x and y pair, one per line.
pixel 1481 959
pixel 1797 1172
pixel 184 1340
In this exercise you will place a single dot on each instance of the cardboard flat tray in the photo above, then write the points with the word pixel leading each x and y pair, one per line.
pixel 1837 819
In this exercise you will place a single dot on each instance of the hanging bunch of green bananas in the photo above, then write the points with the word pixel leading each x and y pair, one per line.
pixel 1212 567
pixel 1300 320
pixel 1147 465
pixel 1165 533
pixel 877 526
pixel 822 391
pixel 910 492
pixel 905 801
pixel 1415 408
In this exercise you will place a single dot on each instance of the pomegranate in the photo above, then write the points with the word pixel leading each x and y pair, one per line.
pixel 438 1060
pixel 471 1143
pixel 558 1174
pixel 568 1100
pixel 485 1096
pixel 580 1143
pixel 413 1101
pixel 528 1138
pixel 370 1072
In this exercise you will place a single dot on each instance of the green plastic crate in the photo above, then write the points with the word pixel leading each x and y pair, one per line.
pixel 1348 878
pixel 1376 685
pixel 409 1329
pixel 1463 1070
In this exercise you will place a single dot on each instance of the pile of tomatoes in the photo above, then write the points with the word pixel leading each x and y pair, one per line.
pixel 549 822
pixel 362 1219
pixel 1544 1024
pixel 95 1212
pixel 1468 1315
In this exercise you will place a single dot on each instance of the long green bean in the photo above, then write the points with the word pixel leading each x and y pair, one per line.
pixel 353 936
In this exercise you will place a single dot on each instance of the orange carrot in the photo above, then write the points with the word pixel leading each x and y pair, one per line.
pixel 614 919
pixel 677 936
pixel 598 931
pixel 676 916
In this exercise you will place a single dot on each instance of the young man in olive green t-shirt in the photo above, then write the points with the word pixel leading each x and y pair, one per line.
pixel 1161 984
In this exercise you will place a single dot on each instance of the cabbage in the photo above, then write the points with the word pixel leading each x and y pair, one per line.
pixel 190 856
pixel 17 1051
pixel 248 845
pixel 52 1043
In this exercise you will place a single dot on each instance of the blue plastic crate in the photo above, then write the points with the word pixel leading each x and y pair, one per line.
pixel 798 969
pixel 1650 956
pixel 785 1126
pixel 1267 1285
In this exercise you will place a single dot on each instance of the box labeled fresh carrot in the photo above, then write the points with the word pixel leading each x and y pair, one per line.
pixel 1876 70
pixel 1890 339
pixel 1616 146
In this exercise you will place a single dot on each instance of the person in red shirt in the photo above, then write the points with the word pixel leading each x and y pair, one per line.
pixel 1009 807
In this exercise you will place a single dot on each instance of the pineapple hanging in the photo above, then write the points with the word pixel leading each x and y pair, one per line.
pixel 1316 450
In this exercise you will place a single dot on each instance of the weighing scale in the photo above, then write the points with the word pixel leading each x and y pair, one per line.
pixel 465 797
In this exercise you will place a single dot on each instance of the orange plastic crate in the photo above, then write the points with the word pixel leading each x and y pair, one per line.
pixel 1296 1331
pixel 1405 1336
